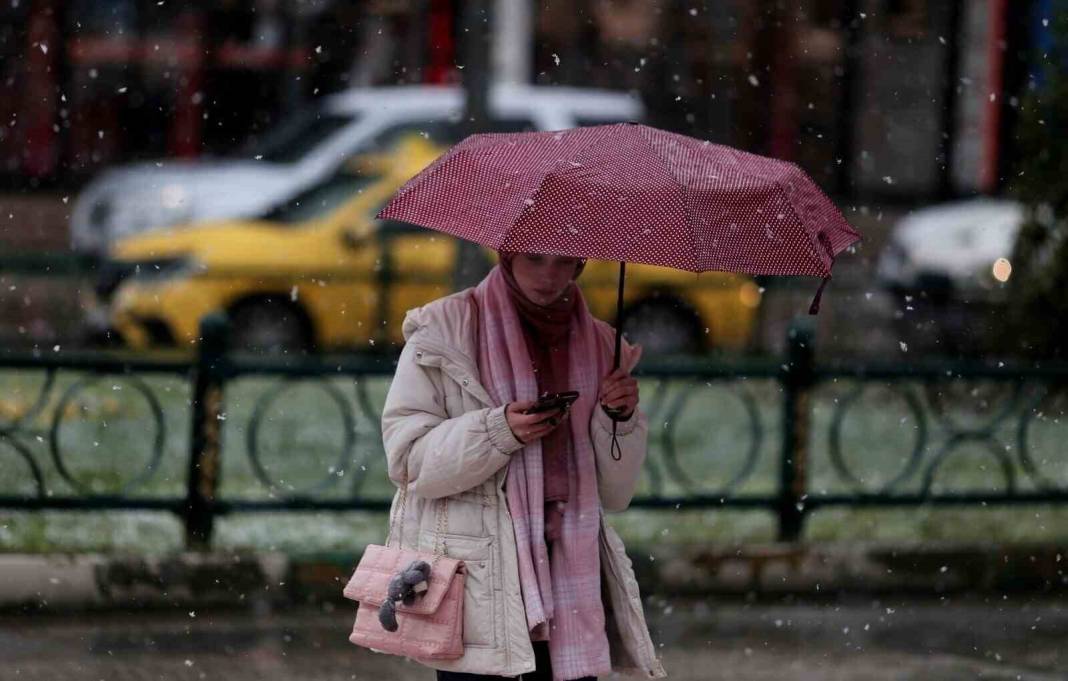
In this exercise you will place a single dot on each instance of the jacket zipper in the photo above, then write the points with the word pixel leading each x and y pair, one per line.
pixel 425 350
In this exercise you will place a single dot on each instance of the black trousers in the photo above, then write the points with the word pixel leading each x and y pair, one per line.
pixel 542 672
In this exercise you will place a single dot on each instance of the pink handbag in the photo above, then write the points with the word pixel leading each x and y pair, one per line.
pixel 431 628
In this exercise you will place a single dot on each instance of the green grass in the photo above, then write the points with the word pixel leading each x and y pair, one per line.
pixel 107 433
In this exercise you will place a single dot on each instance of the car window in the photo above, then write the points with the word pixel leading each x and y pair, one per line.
pixel 390 229
pixel 444 132
pixel 295 136
pixel 510 125
pixel 319 200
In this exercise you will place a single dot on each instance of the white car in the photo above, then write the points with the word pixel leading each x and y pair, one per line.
pixel 310 147
pixel 948 266
pixel 960 250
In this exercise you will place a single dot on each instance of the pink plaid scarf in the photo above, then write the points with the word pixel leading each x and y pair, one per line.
pixel 565 596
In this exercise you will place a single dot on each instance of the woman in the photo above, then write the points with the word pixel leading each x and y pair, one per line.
pixel 549 592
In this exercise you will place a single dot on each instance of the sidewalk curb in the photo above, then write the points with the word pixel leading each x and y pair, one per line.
pixel 779 569
pixel 38 582
pixel 34 582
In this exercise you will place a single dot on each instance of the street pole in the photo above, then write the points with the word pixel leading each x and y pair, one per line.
pixel 475 75
pixel 511 41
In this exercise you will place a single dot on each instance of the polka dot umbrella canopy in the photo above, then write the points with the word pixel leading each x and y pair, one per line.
pixel 630 193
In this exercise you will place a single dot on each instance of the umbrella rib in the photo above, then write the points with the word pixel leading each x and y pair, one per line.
pixel 808 235
pixel 685 203
pixel 551 172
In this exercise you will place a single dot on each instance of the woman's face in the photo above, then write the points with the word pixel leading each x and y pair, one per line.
pixel 543 278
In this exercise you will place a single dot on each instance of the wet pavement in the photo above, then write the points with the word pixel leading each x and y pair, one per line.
pixel 870 639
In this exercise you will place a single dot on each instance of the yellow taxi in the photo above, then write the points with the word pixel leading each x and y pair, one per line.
pixel 321 273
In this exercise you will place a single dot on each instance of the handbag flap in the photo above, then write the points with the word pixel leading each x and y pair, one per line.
pixel 370 581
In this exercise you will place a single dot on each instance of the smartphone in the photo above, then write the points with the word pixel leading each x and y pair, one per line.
pixel 551 401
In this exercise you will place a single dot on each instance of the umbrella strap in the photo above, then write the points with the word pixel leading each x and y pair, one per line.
pixel 617 451
pixel 815 307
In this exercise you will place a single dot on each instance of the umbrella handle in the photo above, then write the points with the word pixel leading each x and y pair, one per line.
pixel 814 308
pixel 617 451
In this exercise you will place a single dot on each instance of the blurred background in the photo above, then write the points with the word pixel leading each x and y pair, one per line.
pixel 147 145
pixel 200 315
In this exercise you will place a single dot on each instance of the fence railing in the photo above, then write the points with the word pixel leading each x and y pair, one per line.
pixel 101 430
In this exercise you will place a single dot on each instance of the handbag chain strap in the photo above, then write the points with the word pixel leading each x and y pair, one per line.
pixel 398 511
pixel 442 522
pixel 439 540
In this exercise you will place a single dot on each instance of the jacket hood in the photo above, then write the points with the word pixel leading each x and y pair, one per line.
pixel 447 321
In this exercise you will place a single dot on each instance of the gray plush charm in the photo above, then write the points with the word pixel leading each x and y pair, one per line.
pixel 397 588
pixel 403 587
pixel 387 616
pixel 417 572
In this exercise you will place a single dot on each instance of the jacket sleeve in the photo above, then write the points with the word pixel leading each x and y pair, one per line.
pixel 441 455
pixel 617 480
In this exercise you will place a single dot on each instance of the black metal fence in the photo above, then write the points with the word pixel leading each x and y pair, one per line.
pixel 848 435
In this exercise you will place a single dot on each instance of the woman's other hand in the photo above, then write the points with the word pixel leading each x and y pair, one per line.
pixel 619 391
pixel 530 427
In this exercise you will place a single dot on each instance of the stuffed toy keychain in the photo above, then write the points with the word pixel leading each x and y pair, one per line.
pixel 403 587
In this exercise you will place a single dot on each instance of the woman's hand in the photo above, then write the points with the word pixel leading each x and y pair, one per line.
pixel 530 427
pixel 619 391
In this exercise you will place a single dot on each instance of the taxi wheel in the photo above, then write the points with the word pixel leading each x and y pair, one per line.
pixel 664 326
pixel 270 325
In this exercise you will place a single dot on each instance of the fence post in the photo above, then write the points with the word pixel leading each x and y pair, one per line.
pixel 797 379
pixel 206 440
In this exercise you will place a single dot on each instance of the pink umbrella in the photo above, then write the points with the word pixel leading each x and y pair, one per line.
pixel 630 193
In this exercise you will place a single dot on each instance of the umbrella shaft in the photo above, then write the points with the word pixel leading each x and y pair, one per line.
pixel 619 313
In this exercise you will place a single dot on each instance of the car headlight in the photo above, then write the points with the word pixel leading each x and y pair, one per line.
pixel 1001 270
pixel 992 275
